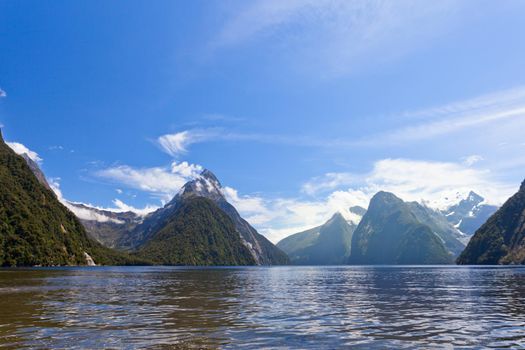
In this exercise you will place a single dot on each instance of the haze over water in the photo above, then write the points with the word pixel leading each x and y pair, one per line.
pixel 254 307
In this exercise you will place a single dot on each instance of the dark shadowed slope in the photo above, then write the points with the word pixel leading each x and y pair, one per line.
pixel 390 233
pixel 501 240
pixel 198 233
pixel 35 228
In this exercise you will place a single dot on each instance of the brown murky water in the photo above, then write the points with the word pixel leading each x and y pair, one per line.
pixel 258 307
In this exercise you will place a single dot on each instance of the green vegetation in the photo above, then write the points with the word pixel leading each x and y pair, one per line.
pixel 328 244
pixel 501 240
pixel 390 233
pixel 35 228
pixel 198 233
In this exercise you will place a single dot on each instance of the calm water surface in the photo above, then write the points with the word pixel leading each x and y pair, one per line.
pixel 277 307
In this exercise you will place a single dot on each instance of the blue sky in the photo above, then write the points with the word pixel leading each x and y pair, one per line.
pixel 301 108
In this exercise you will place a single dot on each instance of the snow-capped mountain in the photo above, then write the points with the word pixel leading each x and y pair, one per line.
pixel 105 226
pixel 207 186
pixel 469 213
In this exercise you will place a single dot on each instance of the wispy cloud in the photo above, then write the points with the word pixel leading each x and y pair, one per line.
pixel 423 125
pixel 2 93
pixel 160 181
pixel 21 149
pixel 339 35
pixel 471 114
pixel 178 143
pixel 472 159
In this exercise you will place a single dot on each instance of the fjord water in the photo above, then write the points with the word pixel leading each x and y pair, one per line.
pixel 254 307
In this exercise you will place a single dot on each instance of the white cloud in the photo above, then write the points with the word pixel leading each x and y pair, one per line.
pixel 177 143
pixel 81 213
pixel 87 214
pixel 118 190
pixel 337 36
pixel 278 217
pixel 437 184
pixel 472 159
pixel 161 181
pixel 425 131
pixel 2 93
pixel 327 182
pixel 21 149
pixel 120 206
pixel 467 115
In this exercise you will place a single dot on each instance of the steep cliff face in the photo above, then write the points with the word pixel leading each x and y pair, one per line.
pixel 35 228
pixel 390 233
pixel 501 240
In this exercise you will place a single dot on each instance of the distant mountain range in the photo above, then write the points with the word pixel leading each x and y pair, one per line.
pixel 501 240
pixel 470 213
pixel 35 228
pixel 199 227
pixel 107 227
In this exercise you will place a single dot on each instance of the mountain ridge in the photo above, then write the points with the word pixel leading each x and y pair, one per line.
pixel 328 244
pixel 500 240
pixel 386 234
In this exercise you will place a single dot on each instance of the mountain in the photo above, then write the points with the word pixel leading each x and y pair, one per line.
pixel 106 227
pixel 391 233
pixel 206 186
pixel 501 240
pixel 328 244
pixel 36 170
pixel 35 228
pixel 451 237
pixel 470 213
pixel 198 233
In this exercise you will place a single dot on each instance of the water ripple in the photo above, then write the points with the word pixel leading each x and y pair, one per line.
pixel 278 307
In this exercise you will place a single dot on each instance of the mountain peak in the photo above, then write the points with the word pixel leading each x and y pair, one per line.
pixel 474 197
pixel 337 216
pixel 207 174
pixel 206 185
pixel 382 197
pixel 1 137
pixel 522 187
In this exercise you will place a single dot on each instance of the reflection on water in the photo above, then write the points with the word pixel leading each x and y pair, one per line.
pixel 307 307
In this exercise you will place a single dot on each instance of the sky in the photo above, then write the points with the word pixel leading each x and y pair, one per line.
pixel 300 108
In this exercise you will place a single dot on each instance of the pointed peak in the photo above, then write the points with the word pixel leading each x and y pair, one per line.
pixel 205 185
pixel 522 188
pixel 207 174
pixel 335 218
pixel 474 197
pixel 1 136
pixel 337 215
